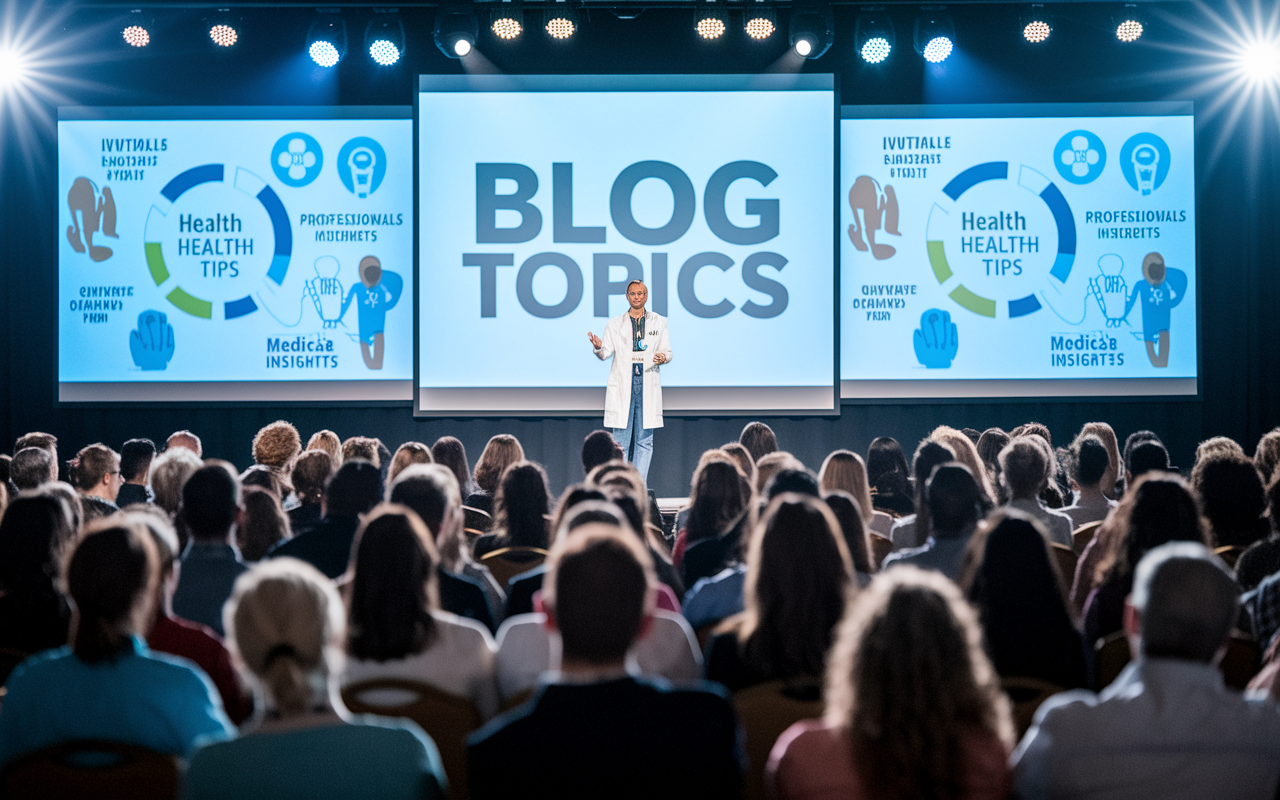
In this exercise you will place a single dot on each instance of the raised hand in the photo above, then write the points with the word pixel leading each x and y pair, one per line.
pixel 152 343
pixel 936 341
pixel 595 340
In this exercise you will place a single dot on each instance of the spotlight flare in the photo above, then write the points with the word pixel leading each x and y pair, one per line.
pixel 136 36
pixel 324 53
pixel 1036 31
pixel 461 47
pixel 804 47
pixel 760 28
pixel 710 28
pixel 384 52
pixel 560 28
pixel 1129 31
pixel 937 50
pixel 507 28
pixel 875 50
pixel 223 35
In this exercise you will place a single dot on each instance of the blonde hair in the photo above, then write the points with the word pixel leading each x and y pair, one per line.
pixel 966 453
pixel 406 454
pixel 284 624
pixel 845 471
pixel 1217 446
pixel 329 442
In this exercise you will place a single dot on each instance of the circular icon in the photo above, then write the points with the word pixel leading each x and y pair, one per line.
pixel 296 159
pixel 1080 157
pixel 362 164
pixel 1145 162
pixel 243 181
pixel 1028 179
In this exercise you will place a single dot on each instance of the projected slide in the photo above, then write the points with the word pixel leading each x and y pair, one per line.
pixel 539 198
pixel 1018 251
pixel 236 254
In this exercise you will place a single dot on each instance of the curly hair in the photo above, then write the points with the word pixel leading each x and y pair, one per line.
pixel 908 679
pixel 501 452
pixel 1161 507
pixel 276 444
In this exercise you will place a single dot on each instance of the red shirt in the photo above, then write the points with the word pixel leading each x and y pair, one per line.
pixel 202 646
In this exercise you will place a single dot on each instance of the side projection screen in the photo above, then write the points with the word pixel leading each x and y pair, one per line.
pixel 1018 251
pixel 235 254
pixel 541 197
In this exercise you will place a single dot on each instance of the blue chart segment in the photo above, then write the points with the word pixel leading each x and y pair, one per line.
pixel 1028 179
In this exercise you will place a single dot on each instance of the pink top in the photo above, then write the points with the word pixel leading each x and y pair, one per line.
pixel 812 761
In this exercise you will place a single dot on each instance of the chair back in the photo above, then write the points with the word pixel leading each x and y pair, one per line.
pixel 1065 558
pixel 507 562
pixel 880 548
pixel 1111 656
pixel 1229 553
pixel 446 718
pixel 766 710
pixel 473 519
pixel 97 769
pixel 1081 537
pixel 1241 662
pixel 1025 696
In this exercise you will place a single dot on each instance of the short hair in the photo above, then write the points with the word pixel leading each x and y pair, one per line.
pixel 393 563
pixel 45 441
pixel 354 489
pixel 1267 454
pixel 1187 600
pixel 111 578
pixel 283 622
pixel 1133 440
pixel 759 439
pixel 311 469
pixel 599 447
pixel 407 454
pixel 450 451
pixel 1148 456
pixel 31 467
pixel 955 498
pixel 211 501
pixel 269 478
pixel 798 481
pixel 501 452
pixel 361 447
pixel 1024 465
pixel 329 442
pixel 186 439
pixel 169 472
pixel 429 489
pixel 276 444
pixel 265 524
pixel 634 281
pixel 1089 460
pixel 771 464
pixel 135 457
pixel 91 464
pixel 597 587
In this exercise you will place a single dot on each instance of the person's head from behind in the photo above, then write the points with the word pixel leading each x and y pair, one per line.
pixel 1133 440
pixel 169 473
pixel 1033 429
pixel 329 442
pixel 909 681
pixel 622 485
pixel 792 479
pixel 1146 456
pixel 268 479
pixel 1009 577
pixel 1088 461
pixel 45 441
pixel 264 524
pixel 276 444
pixel 431 491
pixel 35 531
pixel 1160 508
pixel 522 505
pixel 771 464
pixel 956 501
pixel 311 470
pixel 284 624
pixel 742 457
pixel 1267 455
pixel 1183 605
pixel 1233 499
pixel 598 593
pixel 450 451
pixel 885 458
pixel 966 453
pixel 70 499
pixel 928 455
pixel 211 503
pixel 111 578
pixel 31 467
pixel 135 460
pixel 720 495
pixel 1218 447
pixel 848 513
pixel 157 524
pixel 573 496
pixel 501 452
pixel 361 447
pixel 598 447
pixel 406 454
pixel 393 588
pixel 759 439
pixel 354 489
pixel 187 440
pixel 95 471
pixel 844 471
pixel 1025 465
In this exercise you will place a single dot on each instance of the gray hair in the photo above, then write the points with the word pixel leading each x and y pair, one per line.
pixel 1187 600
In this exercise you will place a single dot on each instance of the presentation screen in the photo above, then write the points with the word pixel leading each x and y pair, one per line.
pixel 541 197
pixel 1018 251
pixel 235 254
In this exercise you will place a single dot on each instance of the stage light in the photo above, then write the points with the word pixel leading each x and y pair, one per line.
pixel 1260 61
pixel 935 36
pixel 384 38
pixel 327 38
pixel 224 27
pixel 711 23
pixel 562 21
pixel 874 36
pixel 13 67
pixel 812 31
pixel 1036 26
pixel 456 30
pixel 1130 24
pixel 507 23
pixel 759 23
pixel 135 28
pixel 223 35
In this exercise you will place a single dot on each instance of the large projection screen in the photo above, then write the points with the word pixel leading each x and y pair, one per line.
pixel 215 254
pixel 540 197
pixel 1018 251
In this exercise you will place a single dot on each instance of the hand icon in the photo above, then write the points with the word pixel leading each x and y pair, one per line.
pixel 936 341
pixel 152 343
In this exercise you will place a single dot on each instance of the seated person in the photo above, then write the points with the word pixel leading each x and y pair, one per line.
pixel 95 472
pixel 354 489
pixel 106 684
pixel 396 629
pixel 286 628
pixel 593 729
pixel 135 468
pixel 35 532
pixel 913 530
pixel 1167 727
pixel 1089 465
pixel 311 470
pixel 1026 464
pixel 211 509
pixel 956 502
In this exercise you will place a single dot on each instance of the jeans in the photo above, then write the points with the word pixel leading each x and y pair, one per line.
pixel 635 433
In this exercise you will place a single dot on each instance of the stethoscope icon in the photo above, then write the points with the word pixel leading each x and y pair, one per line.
pixel 361 161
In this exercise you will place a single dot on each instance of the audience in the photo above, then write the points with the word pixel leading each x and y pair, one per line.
pixel 913 530
pixel 95 473
pixel 1167 727
pixel 849 514
pixel 286 629
pixel 186 440
pixel 329 442
pixel 889 477
pixel 106 685
pixel 449 451
pixel 407 454
pixel 264 524
pixel 1267 454
pixel 364 448
pixel 1263 557
pixel 354 489
pixel 135 468
pixel 990 443
pixel 720 500
pixel 966 453
pixel 211 511
pixel 1089 464
pixel 31 467
pixel 501 452
pixel 35 532
pixel 759 440
pixel 599 447
pixel 913 706
pixel 1026 464
pixel 276 445
pixel 844 471
pixel 593 729
pixel 311 470
pixel 771 464
pixel 521 508
pixel 169 473
pixel 44 441
pixel 1107 435
pixel 268 479
pixel 956 503
pixel 1233 499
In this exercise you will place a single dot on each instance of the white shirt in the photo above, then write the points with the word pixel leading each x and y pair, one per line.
pixel 526 649
pixel 460 661
pixel 1164 729
pixel 1058 524
pixel 1091 510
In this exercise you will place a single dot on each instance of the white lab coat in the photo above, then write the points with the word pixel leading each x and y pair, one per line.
pixel 615 343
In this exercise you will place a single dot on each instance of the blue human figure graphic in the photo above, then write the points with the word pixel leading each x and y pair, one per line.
pixel 375 295
pixel 1162 289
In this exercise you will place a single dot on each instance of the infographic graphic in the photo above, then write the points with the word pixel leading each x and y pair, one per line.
pixel 1062 269
pixel 244 264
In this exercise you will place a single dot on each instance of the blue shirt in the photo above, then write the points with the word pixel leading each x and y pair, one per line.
pixel 209 571
pixel 153 700
pixel 942 553
pixel 715 598
pixel 1158 301
pixel 373 303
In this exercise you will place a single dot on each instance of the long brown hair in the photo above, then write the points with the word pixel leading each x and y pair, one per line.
pixel 111 577
pixel 1161 507
pixel 501 452
pixel 393 589
pixel 910 683
pixel 845 471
